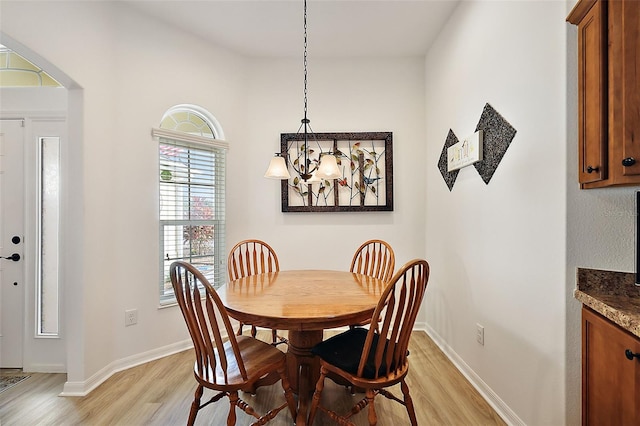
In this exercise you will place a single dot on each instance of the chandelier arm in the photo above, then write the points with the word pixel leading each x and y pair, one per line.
pixel 297 169
pixel 302 169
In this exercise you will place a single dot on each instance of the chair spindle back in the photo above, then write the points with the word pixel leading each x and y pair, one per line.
pixel 394 317
pixel 374 258
pixel 251 257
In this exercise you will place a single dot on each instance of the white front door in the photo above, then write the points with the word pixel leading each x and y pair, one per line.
pixel 12 286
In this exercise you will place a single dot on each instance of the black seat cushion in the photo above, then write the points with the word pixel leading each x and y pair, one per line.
pixel 345 350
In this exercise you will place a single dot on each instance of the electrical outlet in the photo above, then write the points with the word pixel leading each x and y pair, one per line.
pixel 130 317
pixel 480 334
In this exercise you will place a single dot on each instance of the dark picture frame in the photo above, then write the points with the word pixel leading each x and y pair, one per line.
pixel 366 162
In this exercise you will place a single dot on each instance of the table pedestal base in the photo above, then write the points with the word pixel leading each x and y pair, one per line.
pixel 303 368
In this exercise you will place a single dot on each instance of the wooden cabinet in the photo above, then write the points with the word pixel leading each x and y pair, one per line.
pixel 610 380
pixel 592 90
pixel 608 91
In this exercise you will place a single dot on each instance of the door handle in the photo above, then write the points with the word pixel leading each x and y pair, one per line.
pixel 15 257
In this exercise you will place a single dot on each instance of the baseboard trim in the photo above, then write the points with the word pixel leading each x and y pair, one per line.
pixel 485 391
pixel 45 368
pixel 85 387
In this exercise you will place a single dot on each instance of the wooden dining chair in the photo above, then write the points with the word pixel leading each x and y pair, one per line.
pixel 251 257
pixel 374 258
pixel 376 358
pixel 225 365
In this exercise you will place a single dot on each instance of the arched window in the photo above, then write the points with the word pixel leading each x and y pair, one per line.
pixel 191 176
pixel 17 71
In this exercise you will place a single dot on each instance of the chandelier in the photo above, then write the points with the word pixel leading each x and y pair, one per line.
pixel 326 167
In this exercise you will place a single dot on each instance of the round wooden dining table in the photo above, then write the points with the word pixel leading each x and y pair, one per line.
pixel 305 303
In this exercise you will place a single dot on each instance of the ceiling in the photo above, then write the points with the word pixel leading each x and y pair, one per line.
pixel 336 28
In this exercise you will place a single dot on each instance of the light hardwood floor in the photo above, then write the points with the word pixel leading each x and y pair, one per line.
pixel 160 393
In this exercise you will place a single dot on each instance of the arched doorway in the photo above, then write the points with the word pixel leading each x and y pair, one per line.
pixel 36 125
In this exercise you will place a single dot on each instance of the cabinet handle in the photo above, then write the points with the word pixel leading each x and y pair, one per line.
pixel 629 161
pixel 592 169
pixel 630 355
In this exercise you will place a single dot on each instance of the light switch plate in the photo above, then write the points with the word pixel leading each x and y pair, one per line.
pixel 130 317
pixel 480 334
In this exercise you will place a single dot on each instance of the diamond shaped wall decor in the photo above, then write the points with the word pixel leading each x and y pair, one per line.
pixel 498 134
pixel 449 177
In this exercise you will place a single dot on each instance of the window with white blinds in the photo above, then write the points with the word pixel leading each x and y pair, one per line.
pixel 192 206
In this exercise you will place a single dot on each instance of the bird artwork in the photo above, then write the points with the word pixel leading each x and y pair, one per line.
pixel 365 182
pixel 369 181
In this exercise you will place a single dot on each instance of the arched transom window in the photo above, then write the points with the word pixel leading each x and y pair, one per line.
pixel 17 71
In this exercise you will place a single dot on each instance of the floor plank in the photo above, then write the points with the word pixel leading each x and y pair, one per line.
pixel 160 393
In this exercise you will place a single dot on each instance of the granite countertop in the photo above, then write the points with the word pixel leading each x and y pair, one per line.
pixel 613 295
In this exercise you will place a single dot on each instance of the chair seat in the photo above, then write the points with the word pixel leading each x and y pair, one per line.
pixel 345 350
pixel 259 358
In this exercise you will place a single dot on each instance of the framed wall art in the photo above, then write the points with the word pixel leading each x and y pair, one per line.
pixel 366 163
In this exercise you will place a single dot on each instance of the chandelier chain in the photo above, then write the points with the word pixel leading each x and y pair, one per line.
pixel 305 59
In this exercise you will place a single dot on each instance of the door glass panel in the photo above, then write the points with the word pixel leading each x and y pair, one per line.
pixel 48 229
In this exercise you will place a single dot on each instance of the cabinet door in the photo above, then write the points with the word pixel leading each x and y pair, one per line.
pixel 592 93
pixel 624 32
pixel 610 381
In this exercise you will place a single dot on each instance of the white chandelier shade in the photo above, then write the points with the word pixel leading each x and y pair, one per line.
pixel 328 168
pixel 277 168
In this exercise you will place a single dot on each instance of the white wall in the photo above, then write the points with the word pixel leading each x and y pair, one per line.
pixel 344 95
pixel 497 251
pixel 128 71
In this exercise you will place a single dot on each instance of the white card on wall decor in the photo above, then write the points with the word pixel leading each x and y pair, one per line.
pixel 465 153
